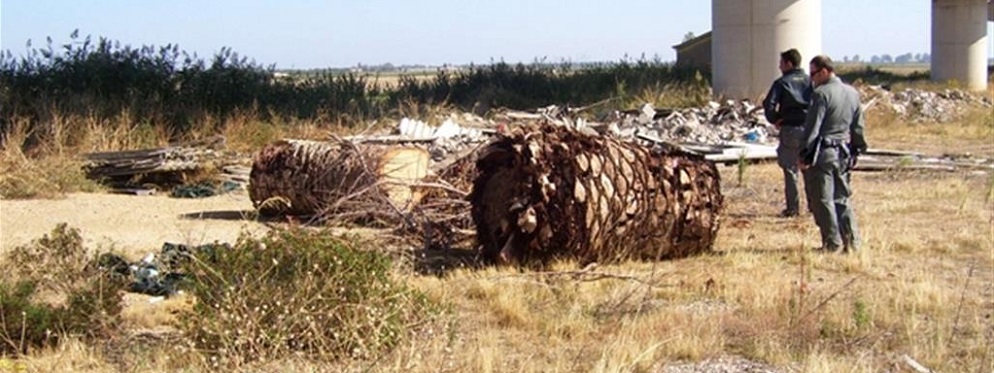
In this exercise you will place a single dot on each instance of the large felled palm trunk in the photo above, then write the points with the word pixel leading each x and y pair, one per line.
pixel 336 179
pixel 549 191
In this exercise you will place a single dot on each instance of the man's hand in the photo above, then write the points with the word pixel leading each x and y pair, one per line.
pixel 853 156
pixel 802 166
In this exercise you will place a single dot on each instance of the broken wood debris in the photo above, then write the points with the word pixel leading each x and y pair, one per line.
pixel 173 158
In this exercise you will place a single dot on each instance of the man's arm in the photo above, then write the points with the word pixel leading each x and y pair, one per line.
pixel 812 126
pixel 857 141
pixel 772 101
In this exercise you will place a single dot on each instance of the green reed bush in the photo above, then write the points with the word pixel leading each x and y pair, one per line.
pixel 172 89
pixel 874 75
pixel 298 292
pixel 526 86
pixel 52 290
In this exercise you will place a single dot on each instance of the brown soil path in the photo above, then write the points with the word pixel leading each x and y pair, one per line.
pixel 130 224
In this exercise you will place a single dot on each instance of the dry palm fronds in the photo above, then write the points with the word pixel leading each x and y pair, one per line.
pixel 550 191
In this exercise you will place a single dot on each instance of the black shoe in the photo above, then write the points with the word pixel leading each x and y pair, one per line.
pixel 789 214
pixel 829 249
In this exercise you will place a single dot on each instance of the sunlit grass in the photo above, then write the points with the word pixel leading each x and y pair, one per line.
pixel 921 285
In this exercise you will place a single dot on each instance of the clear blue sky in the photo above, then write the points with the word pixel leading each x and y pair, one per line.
pixel 341 33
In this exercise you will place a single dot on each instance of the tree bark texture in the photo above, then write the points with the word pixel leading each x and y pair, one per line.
pixel 336 179
pixel 550 191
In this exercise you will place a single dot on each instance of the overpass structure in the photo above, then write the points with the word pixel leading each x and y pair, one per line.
pixel 748 36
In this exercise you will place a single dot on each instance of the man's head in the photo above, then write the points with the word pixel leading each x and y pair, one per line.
pixel 821 68
pixel 789 59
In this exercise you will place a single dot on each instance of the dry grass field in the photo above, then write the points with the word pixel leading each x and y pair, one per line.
pixel 391 80
pixel 922 288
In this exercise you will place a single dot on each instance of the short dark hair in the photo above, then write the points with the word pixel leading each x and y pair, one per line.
pixel 823 62
pixel 791 55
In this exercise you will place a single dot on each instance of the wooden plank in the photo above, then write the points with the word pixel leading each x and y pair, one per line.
pixel 521 115
pixel 135 191
pixel 666 143
pixel 388 139
pixel 704 149
pixel 747 145
pixel 896 167
pixel 733 157
pixel 890 152
pixel 147 153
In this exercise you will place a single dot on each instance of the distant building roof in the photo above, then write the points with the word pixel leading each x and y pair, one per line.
pixel 693 42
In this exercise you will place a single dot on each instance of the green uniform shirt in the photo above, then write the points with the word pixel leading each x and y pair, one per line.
pixel 835 114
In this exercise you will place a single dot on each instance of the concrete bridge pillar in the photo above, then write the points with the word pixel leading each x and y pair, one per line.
pixel 959 42
pixel 748 36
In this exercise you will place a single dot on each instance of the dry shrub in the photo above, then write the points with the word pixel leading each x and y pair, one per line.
pixel 45 175
pixel 673 95
pixel 296 293
pixel 52 292
pixel 46 178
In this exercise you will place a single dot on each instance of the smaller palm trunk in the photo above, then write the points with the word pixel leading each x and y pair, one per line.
pixel 337 179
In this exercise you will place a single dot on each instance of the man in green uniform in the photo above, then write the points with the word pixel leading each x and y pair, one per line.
pixel 786 106
pixel 833 138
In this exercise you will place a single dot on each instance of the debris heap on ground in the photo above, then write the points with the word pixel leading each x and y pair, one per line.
pixel 922 106
pixel 714 123
pixel 158 274
pixel 145 171
pixel 174 158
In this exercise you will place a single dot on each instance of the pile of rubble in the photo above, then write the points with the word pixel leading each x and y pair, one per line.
pixel 714 123
pixel 721 131
pixel 921 106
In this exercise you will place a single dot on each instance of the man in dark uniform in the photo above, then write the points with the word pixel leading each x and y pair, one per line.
pixel 786 106
pixel 833 138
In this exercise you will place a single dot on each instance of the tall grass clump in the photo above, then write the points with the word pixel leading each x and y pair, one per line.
pixel 163 86
pixel 54 289
pixel 296 293
pixel 24 176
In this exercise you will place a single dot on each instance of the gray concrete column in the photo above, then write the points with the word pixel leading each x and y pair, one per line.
pixel 959 42
pixel 748 36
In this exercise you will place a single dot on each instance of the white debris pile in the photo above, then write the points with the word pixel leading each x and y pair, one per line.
pixel 449 137
pixel 920 106
pixel 714 123
pixel 736 121
pixel 723 132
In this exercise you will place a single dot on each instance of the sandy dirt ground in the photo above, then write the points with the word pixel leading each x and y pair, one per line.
pixel 129 224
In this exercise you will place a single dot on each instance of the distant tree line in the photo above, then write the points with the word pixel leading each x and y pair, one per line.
pixel 886 58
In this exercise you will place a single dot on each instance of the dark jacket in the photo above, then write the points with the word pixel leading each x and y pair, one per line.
pixel 788 98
